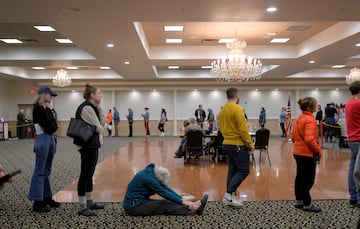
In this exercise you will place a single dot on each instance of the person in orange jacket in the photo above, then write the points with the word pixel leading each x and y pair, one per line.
pixel 109 119
pixel 307 153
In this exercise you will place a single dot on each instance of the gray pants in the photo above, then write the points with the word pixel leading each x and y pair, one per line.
pixel 159 207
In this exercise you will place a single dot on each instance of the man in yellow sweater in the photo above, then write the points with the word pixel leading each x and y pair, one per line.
pixel 236 145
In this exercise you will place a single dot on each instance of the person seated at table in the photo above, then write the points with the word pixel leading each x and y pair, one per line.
pixel 179 153
pixel 192 126
pixel 153 180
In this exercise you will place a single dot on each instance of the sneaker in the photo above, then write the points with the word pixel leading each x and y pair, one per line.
pixel 231 200
pixel 87 212
pixel 51 203
pixel 40 206
pixel 312 209
pixel 299 206
pixel 95 206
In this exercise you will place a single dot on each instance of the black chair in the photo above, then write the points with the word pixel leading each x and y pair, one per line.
pixel 262 142
pixel 194 144
pixel 217 144
pixel 337 133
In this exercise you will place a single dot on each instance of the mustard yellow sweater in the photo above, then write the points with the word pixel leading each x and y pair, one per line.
pixel 233 125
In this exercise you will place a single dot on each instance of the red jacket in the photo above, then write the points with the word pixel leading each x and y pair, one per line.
pixel 305 135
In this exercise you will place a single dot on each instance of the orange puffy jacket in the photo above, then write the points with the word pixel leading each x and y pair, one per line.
pixel 307 143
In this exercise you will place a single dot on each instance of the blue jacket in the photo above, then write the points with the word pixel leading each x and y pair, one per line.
pixel 145 184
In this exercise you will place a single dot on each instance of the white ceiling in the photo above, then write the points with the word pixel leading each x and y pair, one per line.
pixel 135 27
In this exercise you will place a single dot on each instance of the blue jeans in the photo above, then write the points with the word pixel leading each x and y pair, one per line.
pixel 44 154
pixel 354 150
pixel 238 166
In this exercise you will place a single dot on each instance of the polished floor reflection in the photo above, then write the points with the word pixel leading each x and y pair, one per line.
pixel 263 183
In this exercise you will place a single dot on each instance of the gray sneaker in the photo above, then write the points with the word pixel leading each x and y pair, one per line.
pixel 87 212
pixel 231 200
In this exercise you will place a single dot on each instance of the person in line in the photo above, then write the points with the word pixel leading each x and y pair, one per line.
pixel 45 149
pixel 2 173
pixel 130 118
pixel 163 119
pixel 319 117
pixel 237 144
pixel 306 152
pixel 179 152
pixel 91 112
pixel 330 121
pixel 146 117
pixel 283 121
pixel 116 121
pixel 262 117
pixel 352 115
pixel 200 116
pixel 153 180
pixel 210 119
pixel 109 119
pixel 21 121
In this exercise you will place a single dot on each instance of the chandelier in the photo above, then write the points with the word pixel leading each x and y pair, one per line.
pixel 238 67
pixel 61 79
pixel 353 76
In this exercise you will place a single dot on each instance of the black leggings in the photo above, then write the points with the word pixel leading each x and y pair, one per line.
pixel 159 207
pixel 161 127
pixel 89 157
pixel 305 177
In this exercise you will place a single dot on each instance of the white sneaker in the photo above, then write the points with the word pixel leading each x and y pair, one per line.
pixel 232 200
pixel 162 134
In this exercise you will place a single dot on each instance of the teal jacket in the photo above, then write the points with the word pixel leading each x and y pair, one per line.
pixel 145 184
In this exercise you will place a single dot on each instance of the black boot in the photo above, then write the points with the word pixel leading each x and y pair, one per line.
pixel 51 203
pixel 40 206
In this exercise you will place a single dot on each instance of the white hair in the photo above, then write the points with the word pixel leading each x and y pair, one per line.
pixel 162 174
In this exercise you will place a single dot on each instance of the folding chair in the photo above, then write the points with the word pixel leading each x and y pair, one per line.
pixel 194 145
pixel 262 142
pixel 337 134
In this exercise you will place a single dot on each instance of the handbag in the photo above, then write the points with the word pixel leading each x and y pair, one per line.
pixel 78 129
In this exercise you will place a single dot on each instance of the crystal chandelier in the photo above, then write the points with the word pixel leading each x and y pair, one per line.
pixel 238 67
pixel 61 79
pixel 353 76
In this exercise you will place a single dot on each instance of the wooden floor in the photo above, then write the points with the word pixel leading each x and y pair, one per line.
pixel 263 183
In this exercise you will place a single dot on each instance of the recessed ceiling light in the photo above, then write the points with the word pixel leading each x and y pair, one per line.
pixel 11 41
pixel 173 41
pixel 316 89
pixel 271 9
pixel 44 28
pixel 72 68
pixel 358 44
pixel 38 68
pixel 173 28
pixel 338 66
pixel 312 61
pixel 64 41
pixel 126 62
pixel 276 89
pixel 104 67
pixel 256 89
pixel 336 89
pixel 279 40
pixel 110 45
pixel 173 67
pixel 206 67
pixel 226 40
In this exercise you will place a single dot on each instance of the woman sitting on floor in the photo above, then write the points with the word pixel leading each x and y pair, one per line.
pixel 153 180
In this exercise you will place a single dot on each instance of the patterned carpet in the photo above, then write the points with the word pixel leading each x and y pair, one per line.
pixel 16 209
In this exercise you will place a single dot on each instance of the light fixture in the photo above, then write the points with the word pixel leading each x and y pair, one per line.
pixel 61 79
pixel 353 76
pixel 238 67
pixel 63 41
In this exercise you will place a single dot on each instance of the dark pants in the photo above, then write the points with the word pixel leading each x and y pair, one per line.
pixel 282 125
pixel 130 129
pixel 161 127
pixel 238 166
pixel 159 207
pixel 305 177
pixel 89 157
